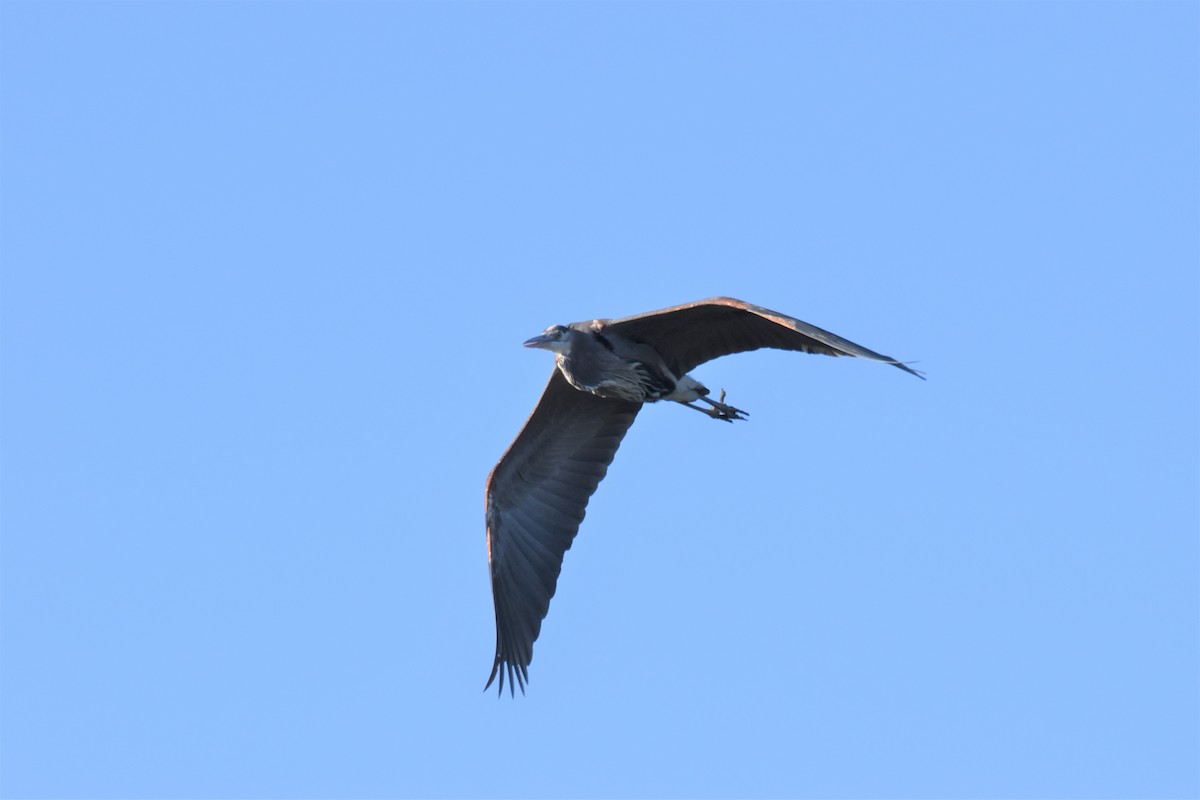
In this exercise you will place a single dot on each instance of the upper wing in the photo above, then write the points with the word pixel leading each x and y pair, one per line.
pixel 536 497
pixel 690 334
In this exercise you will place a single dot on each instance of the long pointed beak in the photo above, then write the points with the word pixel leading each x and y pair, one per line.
pixel 541 340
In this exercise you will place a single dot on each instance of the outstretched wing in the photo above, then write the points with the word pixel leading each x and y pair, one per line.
pixel 536 497
pixel 690 334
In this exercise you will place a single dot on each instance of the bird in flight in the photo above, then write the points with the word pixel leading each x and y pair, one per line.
pixel 605 369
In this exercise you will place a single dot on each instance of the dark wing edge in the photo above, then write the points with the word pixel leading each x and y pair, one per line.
pixel 694 333
pixel 535 500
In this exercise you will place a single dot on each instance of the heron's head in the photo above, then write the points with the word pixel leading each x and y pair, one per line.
pixel 556 339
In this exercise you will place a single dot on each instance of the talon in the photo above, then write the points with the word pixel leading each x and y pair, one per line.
pixel 717 409
pixel 720 410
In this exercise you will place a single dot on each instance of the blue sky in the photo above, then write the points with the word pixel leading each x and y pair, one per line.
pixel 266 272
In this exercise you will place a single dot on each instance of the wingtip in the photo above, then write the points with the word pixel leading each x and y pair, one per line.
pixel 515 678
pixel 904 365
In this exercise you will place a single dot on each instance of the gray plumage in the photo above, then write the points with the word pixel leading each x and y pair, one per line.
pixel 605 370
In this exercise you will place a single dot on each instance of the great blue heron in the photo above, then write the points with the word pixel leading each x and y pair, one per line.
pixel 605 370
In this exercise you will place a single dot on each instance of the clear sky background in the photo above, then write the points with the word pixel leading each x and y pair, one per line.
pixel 266 272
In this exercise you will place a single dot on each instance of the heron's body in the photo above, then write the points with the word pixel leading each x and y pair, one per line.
pixel 605 371
pixel 609 365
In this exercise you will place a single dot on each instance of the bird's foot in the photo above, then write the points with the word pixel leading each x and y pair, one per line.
pixel 718 409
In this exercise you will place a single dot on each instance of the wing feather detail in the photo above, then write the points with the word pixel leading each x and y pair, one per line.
pixel 536 499
pixel 693 333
